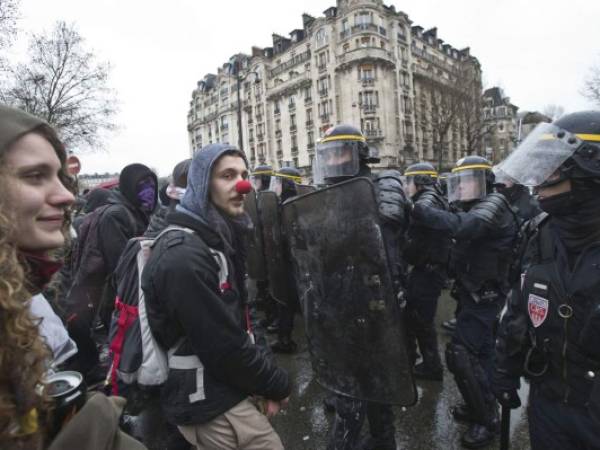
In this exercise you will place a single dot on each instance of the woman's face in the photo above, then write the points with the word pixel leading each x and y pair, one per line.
pixel 37 199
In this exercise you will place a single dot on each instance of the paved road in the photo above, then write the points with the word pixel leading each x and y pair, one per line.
pixel 425 426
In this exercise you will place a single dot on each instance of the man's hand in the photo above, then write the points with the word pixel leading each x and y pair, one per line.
pixel 272 407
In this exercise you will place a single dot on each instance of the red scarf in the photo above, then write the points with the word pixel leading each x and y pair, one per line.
pixel 39 270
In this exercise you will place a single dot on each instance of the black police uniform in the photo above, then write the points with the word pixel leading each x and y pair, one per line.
pixel 428 252
pixel 480 259
pixel 551 335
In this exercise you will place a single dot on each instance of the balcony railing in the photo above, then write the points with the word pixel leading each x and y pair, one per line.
pixel 372 133
pixel 295 150
pixel 323 92
pixel 260 137
pixel 309 123
pixel 291 106
pixel 324 117
pixel 369 108
pixel 322 67
pixel 367 81
pixel 308 100
pixel 293 127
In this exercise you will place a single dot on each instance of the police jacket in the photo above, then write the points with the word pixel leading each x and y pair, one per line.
pixel 394 214
pixel 190 310
pixel 551 330
pixel 485 239
pixel 426 246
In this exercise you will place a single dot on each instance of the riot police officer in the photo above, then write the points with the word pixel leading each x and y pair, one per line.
pixel 485 231
pixel 342 155
pixel 551 331
pixel 427 251
pixel 261 177
pixel 283 183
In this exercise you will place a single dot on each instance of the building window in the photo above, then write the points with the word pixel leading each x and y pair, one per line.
pixel 292 120
pixel 363 18
pixel 365 41
pixel 307 94
pixel 366 72
pixel 321 37
pixel 309 117
pixel 323 85
pixel 294 142
pixel 276 108
pixel 370 98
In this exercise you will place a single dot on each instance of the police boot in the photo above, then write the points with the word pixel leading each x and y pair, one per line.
pixel 478 436
pixel 461 413
pixel 431 367
pixel 381 427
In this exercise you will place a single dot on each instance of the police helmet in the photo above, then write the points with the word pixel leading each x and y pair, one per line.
pixel 341 151
pixel 261 177
pixel 471 179
pixel 568 148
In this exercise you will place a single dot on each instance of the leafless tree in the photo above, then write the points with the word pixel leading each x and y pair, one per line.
pixel 9 14
pixel 554 111
pixel 63 83
pixel 591 87
pixel 455 107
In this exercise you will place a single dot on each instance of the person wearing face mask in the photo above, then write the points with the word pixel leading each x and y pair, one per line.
pixel 103 235
pixel 525 205
pixel 485 230
pixel 174 193
pixel 550 333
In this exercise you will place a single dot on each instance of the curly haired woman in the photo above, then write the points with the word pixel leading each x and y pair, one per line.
pixel 34 215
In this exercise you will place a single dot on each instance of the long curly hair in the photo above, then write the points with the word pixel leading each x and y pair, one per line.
pixel 23 353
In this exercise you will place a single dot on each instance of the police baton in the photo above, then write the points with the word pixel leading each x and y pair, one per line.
pixel 505 429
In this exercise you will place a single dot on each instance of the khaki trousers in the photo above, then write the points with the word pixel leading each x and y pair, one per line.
pixel 242 427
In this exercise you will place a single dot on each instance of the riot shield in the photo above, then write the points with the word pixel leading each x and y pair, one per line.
pixel 305 189
pixel 353 321
pixel 255 258
pixel 278 264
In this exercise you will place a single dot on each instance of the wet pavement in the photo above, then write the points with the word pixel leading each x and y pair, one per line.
pixel 427 425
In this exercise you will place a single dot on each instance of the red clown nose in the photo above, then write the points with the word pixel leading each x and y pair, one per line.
pixel 243 187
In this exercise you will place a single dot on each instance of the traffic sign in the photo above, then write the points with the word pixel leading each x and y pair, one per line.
pixel 73 165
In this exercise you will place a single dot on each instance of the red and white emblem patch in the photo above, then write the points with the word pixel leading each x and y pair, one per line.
pixel 538 309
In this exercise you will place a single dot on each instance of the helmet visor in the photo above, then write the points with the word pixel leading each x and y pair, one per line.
pixel 466 185
pixel 338 159
pixel 544 150
pixel 260 180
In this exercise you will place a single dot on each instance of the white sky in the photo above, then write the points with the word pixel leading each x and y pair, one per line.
pixel 539 51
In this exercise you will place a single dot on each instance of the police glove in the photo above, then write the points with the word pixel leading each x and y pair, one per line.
pixel 508 398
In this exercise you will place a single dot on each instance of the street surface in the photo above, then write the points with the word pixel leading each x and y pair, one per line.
pixel 428 425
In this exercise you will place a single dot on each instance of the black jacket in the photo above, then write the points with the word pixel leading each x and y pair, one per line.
pixel 551 330
pixel 486 238
pixel 186 305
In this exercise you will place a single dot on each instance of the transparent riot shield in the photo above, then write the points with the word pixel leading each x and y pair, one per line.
pixel 353 321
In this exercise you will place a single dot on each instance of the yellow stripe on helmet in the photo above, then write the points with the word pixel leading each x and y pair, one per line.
pixel 294 178
pixel 263 172
pixel 421 172
pixel 343 137
pixel 472 166
pixel 589 137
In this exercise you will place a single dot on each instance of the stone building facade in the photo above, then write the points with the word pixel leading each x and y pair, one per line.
pixel 362 63
pixel 502 124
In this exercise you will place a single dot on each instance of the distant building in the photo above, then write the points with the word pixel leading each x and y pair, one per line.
pixel 527 121
pixel 500 118
pixel 361 63
pixel 91 181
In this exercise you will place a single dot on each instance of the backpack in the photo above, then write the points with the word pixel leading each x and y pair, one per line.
pixel 137 358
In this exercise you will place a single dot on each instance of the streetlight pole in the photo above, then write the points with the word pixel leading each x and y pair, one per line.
pixel 235 70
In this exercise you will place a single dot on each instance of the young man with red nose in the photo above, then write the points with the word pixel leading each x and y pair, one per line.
pixel 196 304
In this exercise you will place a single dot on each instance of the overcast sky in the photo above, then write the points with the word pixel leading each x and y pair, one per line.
pixel 538 51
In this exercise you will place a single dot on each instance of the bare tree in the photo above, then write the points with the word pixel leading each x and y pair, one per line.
pixel 63 83
pixel 9 14
pixel 591 87
pixel 554 111
pixel 455 107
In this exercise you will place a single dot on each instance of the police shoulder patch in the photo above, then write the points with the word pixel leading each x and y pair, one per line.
pixel 537 308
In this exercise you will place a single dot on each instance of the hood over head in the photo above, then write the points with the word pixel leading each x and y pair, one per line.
pixel 196 196
pixel 129 180
pixel 96 198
